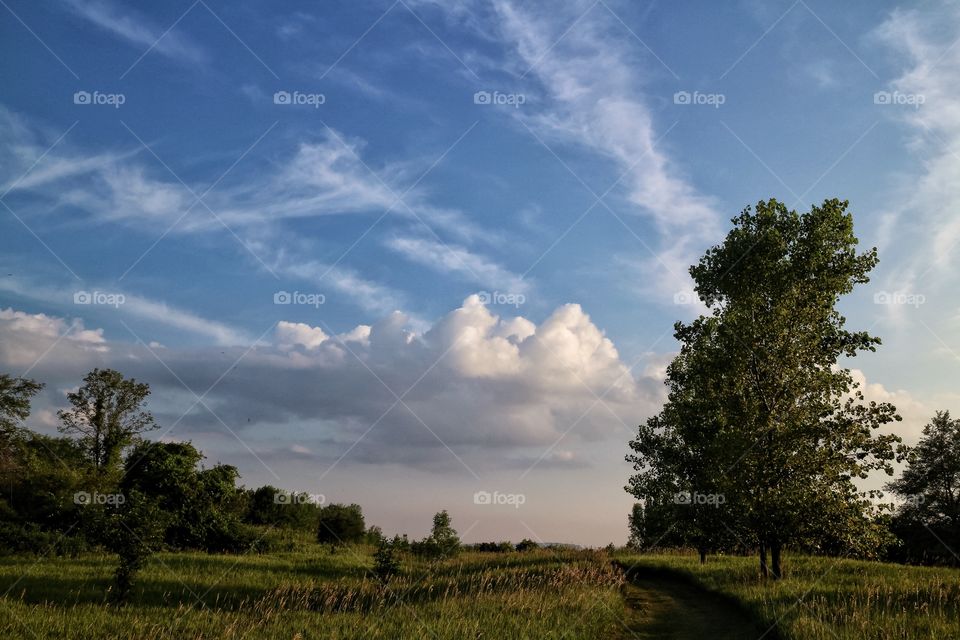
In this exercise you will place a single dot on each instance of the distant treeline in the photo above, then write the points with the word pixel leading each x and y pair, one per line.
pixel 103 486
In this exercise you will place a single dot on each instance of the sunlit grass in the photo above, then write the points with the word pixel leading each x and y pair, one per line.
pixel 830 598
pixel 310 594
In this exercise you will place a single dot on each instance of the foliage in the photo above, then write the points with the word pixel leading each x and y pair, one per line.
pixel 340 524
pixel 443 541
pixel 138 530
pixel 527 545
pixel 203 504
pixel 268 505
pixel 108 415
pixel 928 521
pixel 759 412
pixel 492 547
pixel 386 562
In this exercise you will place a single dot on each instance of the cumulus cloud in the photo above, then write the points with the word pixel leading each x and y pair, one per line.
pixel 475 388
pixel 27 338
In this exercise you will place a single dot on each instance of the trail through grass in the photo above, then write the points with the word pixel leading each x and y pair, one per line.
pixel 830 598
pixel 665 608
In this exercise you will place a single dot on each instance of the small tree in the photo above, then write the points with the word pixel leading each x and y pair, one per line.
pixel 386 564
pixel 443 541
pixel 138 530
pixel 340 524
pixel 444 534
pixel 108 415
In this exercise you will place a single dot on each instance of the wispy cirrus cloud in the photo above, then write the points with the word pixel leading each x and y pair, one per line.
pixel 451 258
pixel 138 30
pixel 154 312
pixel 591 71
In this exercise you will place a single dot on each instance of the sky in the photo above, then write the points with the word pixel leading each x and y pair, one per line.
pixel 422 254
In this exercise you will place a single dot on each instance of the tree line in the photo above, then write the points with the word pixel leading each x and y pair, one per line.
pixel 103 485
pixel 765 433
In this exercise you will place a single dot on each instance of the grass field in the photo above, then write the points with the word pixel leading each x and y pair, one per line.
pixel 830 598
pixel 308 593
pixel 312 594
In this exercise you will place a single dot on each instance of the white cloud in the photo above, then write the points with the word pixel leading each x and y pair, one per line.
pixel 592 76
pixel 927 213
pixel 451 258
pixel 153 311
pixel 29 337
pixel 481 383
pixel 138 31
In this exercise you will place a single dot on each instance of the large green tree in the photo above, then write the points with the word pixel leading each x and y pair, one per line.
pixel 108 414
pixel 758 394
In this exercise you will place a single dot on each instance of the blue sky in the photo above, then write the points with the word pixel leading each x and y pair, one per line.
pixel 486 210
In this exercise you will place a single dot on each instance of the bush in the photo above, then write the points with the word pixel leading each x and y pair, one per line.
pixel 385 561
pixel 340 524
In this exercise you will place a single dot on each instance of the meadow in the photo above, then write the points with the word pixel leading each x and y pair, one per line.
pixel 311 593
pixel 307 592
pixel 827 598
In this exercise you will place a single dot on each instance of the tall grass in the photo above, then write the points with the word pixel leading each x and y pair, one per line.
pixel 311 594
pixel 832 598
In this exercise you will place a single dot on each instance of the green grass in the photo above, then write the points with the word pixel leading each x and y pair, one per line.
pixel 830 598
pixel 306 592
pixel 309 593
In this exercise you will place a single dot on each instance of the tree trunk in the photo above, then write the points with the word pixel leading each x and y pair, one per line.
pixel 763 560
pixel 775 560
pixel 703 556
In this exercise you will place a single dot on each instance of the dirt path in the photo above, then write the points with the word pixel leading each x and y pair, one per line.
pixel 665 608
